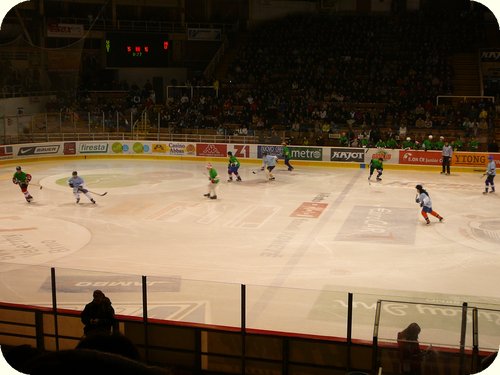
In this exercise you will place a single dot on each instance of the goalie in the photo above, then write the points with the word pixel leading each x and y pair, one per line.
pixel 77 183
pixel 23 179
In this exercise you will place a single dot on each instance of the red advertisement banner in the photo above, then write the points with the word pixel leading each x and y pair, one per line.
pixel 420 157
pixel 211 149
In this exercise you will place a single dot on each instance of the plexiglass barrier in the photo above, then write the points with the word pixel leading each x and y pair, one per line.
pixel 322 312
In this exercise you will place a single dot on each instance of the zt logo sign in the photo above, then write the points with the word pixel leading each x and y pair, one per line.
pixel 241 151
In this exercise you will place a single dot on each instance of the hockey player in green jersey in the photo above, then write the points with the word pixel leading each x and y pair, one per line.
pixel 214 182
pixel 376 164
pixel 23 179
pixel 232 167
pixel 287 155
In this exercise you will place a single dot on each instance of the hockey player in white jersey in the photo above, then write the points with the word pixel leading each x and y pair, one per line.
pixel 491 172
pixel 268 163
pixel 77 183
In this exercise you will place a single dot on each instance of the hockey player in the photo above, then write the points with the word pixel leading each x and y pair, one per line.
pixel 214 181
pixel 425 202
pixel 23 179
pixel 269 163
pixel 376 164
pixel 232 167
pixel 491 172
pixel 287 154
pixel 77 183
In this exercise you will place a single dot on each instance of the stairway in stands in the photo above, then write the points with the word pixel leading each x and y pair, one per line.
pixel 229 56
pixel 466 80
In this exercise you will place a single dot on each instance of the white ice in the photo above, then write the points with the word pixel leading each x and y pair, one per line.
pixel 367 238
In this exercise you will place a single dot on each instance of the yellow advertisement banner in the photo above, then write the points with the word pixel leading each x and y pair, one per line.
pixel 469 159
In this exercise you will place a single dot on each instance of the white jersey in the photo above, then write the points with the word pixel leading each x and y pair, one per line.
pixel 491 169
pixel 425 199
pixel 269 160
pixel 76 182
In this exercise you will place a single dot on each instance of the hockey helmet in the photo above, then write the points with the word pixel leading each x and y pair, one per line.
pixel 490 157
pixel 75 173
pixel 419 187
pixel 18 168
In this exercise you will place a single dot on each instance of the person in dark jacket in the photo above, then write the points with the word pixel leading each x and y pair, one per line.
pixel 98 316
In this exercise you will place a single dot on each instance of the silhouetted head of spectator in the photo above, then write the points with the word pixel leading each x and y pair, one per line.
pixel 98 296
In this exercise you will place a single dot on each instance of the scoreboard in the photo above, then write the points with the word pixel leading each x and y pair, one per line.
pixel 141 50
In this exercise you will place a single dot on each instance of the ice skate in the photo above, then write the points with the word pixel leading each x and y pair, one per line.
pixel 238 178
pixel 427 221
pixel 93 201
pixel 230 179
pixel 207 195
pixel 379 179
pixel 213 197
pixel 441 219
pixel 77 200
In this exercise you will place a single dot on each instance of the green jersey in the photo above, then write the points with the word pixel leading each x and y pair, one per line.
pixel 473 145
pixel 233 162
pixel 21 178
pixel 286 152
pixel 213 176
pixel 458 145
pixel 391 143
pixel 376 164
pixel 343 140
pixel 408 144
pixel 427 144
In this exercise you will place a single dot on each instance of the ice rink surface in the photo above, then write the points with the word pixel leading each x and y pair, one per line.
pixel 313 230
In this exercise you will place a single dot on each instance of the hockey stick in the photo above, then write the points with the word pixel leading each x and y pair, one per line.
pixel 101 195
pixel 93 192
